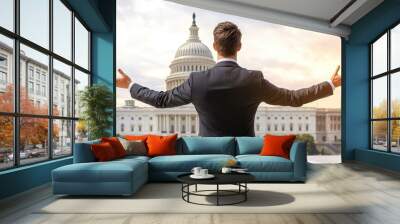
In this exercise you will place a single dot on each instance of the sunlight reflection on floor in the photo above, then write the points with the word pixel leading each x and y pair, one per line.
pixel 324 159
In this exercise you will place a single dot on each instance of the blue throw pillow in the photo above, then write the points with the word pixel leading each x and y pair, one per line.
pixel 249 145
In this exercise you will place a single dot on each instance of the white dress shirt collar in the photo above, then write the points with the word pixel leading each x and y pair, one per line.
pixel 226 59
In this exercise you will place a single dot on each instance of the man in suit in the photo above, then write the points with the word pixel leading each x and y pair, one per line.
pixel 226 96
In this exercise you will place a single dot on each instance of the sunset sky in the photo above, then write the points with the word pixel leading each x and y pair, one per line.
pixel 149 33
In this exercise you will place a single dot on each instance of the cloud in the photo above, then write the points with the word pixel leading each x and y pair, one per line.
pixel 149 33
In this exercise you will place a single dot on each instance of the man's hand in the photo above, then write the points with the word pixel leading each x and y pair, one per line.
pixel 336 78
pixel 123 79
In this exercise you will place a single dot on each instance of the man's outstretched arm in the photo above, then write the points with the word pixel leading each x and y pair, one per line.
pixel 178 96
pixel 274 95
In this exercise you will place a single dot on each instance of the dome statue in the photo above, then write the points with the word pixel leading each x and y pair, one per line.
pixel 191 56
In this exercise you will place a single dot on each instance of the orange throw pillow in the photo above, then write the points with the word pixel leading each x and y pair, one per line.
pixel 116 145
pixel 103 152
pixel 161 145
pixel 275 145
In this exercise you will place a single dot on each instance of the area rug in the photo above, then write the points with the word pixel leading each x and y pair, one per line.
pixel 166 198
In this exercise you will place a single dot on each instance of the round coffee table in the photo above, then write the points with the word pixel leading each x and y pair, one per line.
pixel 238 179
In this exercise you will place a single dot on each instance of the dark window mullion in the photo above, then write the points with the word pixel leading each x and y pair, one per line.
pixel 50 81
pixel 89 52
pixel 385 73
pixel 383 119
pixel 389 101
pixel 84 70
pixel 380 75
pixel 16 69
pixel 371 140
pixel 73 81
pixel 371 137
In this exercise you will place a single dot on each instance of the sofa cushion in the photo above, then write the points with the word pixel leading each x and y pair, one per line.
pixel 206 145
pixel 248 145
pixel 112 171
pixel 83 153
pixel 257 163
pixel 185 163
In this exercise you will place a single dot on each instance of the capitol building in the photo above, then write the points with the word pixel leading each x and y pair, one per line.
pixel 324 125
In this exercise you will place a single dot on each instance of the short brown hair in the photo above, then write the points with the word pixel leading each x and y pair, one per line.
pixel 227 37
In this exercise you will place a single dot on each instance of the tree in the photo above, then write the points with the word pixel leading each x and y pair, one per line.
pixel 380 127
pixel 396 123
pixel 6 122
pixel 33 131
pixel 81 129
pixel 309 140
pixel 97 103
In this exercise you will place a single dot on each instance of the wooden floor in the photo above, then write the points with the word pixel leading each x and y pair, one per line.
pixel 377 188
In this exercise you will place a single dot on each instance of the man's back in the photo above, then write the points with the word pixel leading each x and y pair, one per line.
pixel 226 97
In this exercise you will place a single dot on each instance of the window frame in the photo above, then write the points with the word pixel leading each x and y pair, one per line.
pixel 16 114
pixel 388 74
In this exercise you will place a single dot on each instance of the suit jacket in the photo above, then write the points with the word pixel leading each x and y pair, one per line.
pixel 226 97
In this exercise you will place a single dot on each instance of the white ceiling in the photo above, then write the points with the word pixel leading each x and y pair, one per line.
pixel 320 9
pixel 316 15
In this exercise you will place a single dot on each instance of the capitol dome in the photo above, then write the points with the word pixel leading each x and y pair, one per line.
pixel 191 56
pixel 193 48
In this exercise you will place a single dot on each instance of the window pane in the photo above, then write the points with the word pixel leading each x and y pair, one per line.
pixel 379 97
pixel 395 94
pixel 62 29
pixel 395 47
pixel 7 14
pixel 35 21
pixel 33 139
pixel 395 138
pixel 81 131
pixel 62 89
pixel 34 97
pixel 81 45
pixel 6 142
pixel 6 74
pixel 379 55
pixel 81 81
pixel 379 135
pixel 62 138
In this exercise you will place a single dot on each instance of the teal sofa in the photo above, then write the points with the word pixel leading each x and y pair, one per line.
pixel 125 176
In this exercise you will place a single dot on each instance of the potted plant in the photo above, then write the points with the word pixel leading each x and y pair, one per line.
pixel 96 103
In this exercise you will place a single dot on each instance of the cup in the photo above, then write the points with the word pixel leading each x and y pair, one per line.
pixel 196 171
pixel 203 172
pixel 226 170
